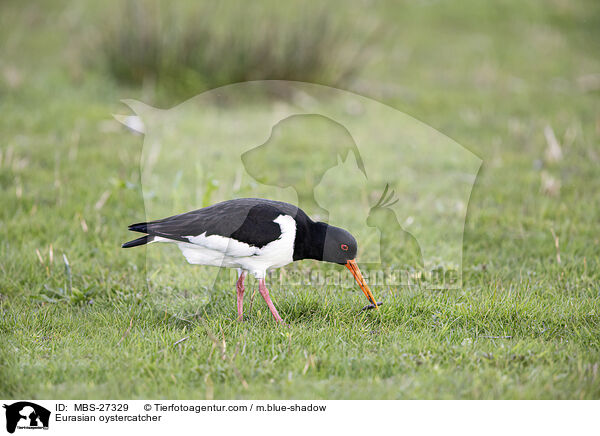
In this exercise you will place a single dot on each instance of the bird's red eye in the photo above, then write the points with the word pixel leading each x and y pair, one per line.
pixel 344 247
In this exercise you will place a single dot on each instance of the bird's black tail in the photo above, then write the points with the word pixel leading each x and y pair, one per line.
pixel 139 241
pixel 139 227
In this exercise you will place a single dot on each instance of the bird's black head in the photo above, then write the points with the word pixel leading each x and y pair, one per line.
pixel 323 242
pixel 339 246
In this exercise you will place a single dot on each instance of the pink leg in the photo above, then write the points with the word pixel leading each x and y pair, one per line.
pixel 262 288
pixel 240 295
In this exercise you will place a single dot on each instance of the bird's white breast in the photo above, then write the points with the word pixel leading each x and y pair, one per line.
pixel 275 254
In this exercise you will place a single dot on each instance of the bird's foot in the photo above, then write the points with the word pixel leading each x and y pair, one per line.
pixel 262 288
pixel 282 323
pixel 240 296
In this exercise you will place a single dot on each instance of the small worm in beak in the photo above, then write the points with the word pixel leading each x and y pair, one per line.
pixel 372 306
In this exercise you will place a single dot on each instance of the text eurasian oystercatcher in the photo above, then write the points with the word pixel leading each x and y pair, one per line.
pixel 253 235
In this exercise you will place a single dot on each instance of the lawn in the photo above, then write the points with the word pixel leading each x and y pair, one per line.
pixel 82 318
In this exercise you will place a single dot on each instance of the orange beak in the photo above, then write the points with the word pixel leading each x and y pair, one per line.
pixel 353 267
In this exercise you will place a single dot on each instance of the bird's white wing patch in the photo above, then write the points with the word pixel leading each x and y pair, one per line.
pixel 224 245
pixel 198 255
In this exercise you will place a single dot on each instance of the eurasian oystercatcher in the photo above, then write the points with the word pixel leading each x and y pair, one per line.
pixel 253 235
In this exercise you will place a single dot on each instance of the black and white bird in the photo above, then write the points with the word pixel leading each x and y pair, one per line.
pixel 253 235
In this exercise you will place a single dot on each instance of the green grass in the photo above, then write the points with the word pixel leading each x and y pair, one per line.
pixel 531 344
pixel 490 76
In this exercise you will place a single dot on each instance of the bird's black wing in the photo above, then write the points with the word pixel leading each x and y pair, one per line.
pixel 248 220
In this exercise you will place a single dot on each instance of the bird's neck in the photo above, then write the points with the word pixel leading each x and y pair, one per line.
pixel 310 240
